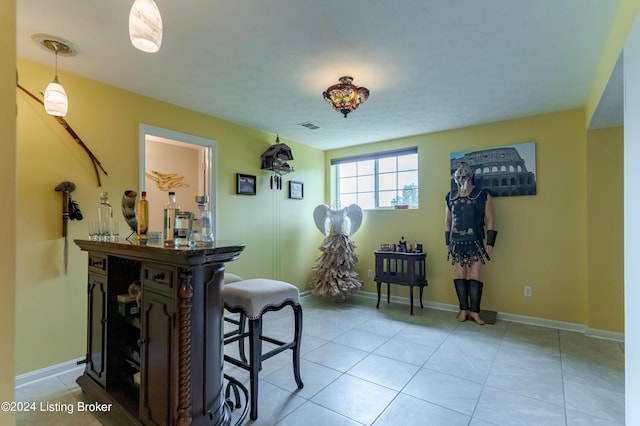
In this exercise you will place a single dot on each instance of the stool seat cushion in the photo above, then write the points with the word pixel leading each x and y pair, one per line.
pixel 253 296
pixel 231 278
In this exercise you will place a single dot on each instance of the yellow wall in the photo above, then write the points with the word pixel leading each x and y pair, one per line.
pixel 52 304
pixel 542 239
pixel 605 228
pixel 7 214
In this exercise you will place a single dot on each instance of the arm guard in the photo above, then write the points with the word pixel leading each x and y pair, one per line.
pixel 491 237
pixel 447 237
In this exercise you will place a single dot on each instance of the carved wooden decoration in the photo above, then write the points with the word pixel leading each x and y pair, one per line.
pixel 184 347
pixel 166 181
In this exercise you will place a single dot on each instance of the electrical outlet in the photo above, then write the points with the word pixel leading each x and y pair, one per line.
pixel 528 290
pixel 369 273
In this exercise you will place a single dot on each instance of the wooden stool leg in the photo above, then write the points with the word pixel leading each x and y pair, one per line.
pixel 297 310
pixel 255 349
pixel 241 329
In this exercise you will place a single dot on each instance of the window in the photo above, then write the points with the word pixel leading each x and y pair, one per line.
pixel 378 180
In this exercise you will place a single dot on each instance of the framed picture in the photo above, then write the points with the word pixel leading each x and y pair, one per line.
pixel 507 171
pixel 245 184
pixel 296 190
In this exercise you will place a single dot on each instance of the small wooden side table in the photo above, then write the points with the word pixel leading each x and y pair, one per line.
pixel 408 269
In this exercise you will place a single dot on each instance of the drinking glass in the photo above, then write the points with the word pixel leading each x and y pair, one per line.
pixel 94 230
pixel 105 230
pixel 115 234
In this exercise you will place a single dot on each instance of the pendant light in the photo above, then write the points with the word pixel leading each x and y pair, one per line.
pixel 55 97
pixel 145 26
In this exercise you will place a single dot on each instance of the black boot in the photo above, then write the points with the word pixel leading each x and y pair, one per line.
pixel 475 296
pixel 462 290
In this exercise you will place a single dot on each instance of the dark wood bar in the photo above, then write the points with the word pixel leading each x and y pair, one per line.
pixel 169 337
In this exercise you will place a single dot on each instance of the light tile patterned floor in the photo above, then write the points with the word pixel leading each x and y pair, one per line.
pixel 363 366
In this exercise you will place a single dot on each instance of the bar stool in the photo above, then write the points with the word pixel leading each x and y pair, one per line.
pixel 239 322
pixel 252 299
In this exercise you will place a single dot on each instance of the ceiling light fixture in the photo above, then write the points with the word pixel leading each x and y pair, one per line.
pixel 145 26
pixel 345 97
pixel 55 97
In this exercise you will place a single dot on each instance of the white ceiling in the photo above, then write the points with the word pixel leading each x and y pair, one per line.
pixel 430 65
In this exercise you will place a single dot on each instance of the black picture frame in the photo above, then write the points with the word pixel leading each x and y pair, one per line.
pixel 245 184
pixel 296 190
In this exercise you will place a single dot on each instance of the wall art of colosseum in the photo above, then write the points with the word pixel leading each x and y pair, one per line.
pixel 501 170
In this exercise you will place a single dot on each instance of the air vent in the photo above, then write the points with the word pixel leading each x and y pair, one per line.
pixel 309 125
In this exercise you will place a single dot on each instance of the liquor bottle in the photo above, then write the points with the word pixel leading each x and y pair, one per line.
pixel 105 216
pixel 182 229
pixel 170 210
pixel 142 211
pixel 202 229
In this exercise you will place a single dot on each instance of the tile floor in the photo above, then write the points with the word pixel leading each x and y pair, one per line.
pixel 363 366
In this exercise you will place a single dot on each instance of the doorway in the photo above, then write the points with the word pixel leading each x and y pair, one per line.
pixel 178 162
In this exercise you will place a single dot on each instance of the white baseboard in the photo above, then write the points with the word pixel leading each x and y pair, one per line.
pixel 523 319
pixel 51 371
pixel 605 334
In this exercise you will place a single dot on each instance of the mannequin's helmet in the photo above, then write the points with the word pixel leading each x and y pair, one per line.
pixel 464 174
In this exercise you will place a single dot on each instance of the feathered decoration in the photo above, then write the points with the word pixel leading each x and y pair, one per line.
pixel 335 274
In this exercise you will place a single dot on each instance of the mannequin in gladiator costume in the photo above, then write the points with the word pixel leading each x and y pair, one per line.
pixel 469 211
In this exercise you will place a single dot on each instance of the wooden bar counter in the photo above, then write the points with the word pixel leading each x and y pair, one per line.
pixel 170 339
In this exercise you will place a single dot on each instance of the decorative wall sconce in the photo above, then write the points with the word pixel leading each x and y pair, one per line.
pixel 345 97
pixel 145 26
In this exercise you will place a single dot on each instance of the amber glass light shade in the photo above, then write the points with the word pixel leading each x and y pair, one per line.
pixel 345 97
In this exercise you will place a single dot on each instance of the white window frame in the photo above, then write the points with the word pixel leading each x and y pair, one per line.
pixel 335 176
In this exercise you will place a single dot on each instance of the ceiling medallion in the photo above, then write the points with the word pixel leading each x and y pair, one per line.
pixel 345 97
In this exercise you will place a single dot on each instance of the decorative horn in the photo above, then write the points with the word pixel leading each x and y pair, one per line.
pixel 129 210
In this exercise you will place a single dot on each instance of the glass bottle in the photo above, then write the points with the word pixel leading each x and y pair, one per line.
pixel 202 229
pixel 142 211
pixel 170 210
pixel 105 216
pixel 182 229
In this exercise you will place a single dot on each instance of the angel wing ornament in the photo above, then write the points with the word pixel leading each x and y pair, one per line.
pixel 345 221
